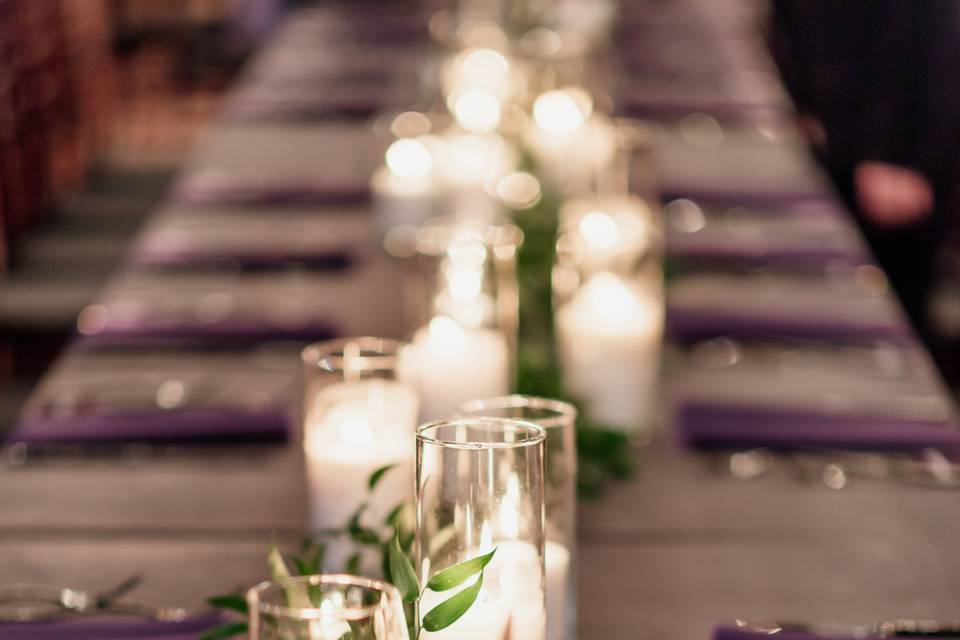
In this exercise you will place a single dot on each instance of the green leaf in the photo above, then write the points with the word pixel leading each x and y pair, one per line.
pixel 353 564
pixel 233 601
pixel 377 475
pixel 226 630
pixel 459 573
pixel 391 519
pixel 401 570
pixel 360 534
pixel 278 568
pixel 302 566
pixel 450 610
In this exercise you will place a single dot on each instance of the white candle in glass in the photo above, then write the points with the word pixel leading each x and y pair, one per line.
pixel 404 190
pixel 350 430
pixel 570 143
pixel 609 336
pixel 449 365
pixel 471 163
pixel 481 69
pixel 512 594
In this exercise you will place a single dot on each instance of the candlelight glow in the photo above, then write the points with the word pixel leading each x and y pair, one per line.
pixel 470 159
pixel 447 331
pixel 464 284
pixel 476 110
pixel 562 112
pixel 355 432
pixel 409 159
pixel 599 230
pixel 519 190
pixel 483 67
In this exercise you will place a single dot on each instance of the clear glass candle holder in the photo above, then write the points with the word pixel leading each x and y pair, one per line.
pixel 480 488
pixel 326 607
pixel 609 310
pixel 357 417
pixel 559 420
pixel 467 315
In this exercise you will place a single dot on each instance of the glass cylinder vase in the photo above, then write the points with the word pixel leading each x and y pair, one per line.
pixel 357 417
pixel 609 310
pixel 559 420
pixel 467 315
pixel 480 489
pixel 326 607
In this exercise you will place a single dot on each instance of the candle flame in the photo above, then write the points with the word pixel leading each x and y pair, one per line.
pixel 509 507
pixel 408 158
pixel 447 330
pixel 484 64
pixel 599 229
pixel 476 110
pixel 563 111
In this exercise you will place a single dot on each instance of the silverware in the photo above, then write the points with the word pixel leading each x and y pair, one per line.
pixel 34 603
pixel 835 469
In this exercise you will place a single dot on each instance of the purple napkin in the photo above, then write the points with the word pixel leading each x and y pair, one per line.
pixel 786 256
pixel 716 425
pixel 688 325
pixel 736 633
pixel 199 191
pixel 236 331
pixel 110 629
pixel 349 107
pixel 161 256
pixel 159 425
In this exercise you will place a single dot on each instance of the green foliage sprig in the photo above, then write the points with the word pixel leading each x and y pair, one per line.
pixel 604 454
pixel 394 542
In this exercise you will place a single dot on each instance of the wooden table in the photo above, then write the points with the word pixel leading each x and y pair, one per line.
pixel 666 555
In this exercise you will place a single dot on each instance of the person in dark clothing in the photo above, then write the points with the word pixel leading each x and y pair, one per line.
pixel 877 86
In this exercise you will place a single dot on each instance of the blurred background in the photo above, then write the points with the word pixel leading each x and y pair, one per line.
pixel 100 100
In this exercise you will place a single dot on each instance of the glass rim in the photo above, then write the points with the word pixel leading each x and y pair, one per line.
pixel 375 353
pixel 537 433
pixel 563 412
pixel 254 600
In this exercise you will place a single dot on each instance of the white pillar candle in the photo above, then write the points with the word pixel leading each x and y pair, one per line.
pixel 351 430
pixel 404 191
pixel 481 69
pixel 556 557
pixel 512 595
pixel 471 168
pixel 607 230
pixel 449 365
pixel 570 143
pixel 609 337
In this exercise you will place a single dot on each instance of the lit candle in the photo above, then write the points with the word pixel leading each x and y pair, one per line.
pixel 449 365
pixel 607 230
pixel 512 596
pixel 351 430
pixel 571 144
pixel 481 69
pixel 404 190
pixel 609 337
pixel 473 162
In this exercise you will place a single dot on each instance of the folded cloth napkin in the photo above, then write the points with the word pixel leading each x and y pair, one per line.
pixel 736 633
pixel 717 425
pixel 111 629
pixel 181 393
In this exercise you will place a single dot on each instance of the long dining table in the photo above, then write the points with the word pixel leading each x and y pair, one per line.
pixel 686 544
